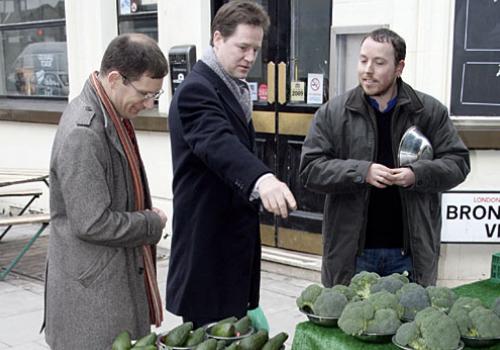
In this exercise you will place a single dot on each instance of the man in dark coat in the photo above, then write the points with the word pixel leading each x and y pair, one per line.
pixel 380 216
pixel 214 267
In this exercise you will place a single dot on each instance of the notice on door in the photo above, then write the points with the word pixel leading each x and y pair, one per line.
pixel 470 217
pixel 314 88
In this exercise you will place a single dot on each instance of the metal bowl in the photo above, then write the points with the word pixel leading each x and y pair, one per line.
pixel 414 146
pixel 321 320
pixel 474 342
pixel 375 338
pixel 162 346
pixel 227 340
pixel 460 345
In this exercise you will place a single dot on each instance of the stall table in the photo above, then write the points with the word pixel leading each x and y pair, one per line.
pixel 309 336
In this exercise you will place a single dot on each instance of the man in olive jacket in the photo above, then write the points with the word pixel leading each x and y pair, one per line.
pixel 378 216
pixel 103 228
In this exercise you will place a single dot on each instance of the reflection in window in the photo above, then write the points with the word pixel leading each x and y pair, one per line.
pixel 310 40
pixel 136 16
pixel 33 54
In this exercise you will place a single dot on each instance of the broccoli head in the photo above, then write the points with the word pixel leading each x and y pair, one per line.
pixel 355 317
pixel 441 298
pixel 362 282
pixel 391 283
pixel 348 292
pixel 460 313
pixel 384 300
pixel 412 298
pixel 486 324
pixel 329 303
pixel 385 321
pixel 308 296
pixel 407 334
pixel 496 306
pixel 436 331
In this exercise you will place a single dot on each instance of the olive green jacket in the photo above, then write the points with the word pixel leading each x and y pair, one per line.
pixel 337 152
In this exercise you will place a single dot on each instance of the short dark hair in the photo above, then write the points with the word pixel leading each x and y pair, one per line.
pixel 134 54
pixel 237 12
pixel 384 35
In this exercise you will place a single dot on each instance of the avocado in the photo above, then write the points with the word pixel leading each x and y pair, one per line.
pixel 149 339
pixel 255 341
pixel 276 342
pixel 196 337
pixel 122 341
pixel 233 346
pixel 231 319
pixel 221 345
pixel 209 344
pixel 223 330
pixel 178 335
pixel 242 326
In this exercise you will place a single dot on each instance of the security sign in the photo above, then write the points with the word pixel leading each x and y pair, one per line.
pixel 470 217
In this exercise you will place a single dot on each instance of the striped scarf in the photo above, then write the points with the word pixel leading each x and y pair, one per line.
pixel 126 135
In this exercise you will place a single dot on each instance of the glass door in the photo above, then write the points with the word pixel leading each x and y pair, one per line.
pixel 289 82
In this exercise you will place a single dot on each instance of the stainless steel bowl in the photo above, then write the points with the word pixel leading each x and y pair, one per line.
pixel 473 342
pixel 414 146
pixel 321 320
pixel 375 338
pixel 461 345
pixel 227 340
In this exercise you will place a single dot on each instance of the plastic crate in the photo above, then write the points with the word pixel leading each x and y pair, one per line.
pixel 495 267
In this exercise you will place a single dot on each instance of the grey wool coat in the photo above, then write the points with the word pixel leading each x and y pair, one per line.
pixel 95 281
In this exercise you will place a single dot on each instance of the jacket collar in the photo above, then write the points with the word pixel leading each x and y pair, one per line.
pixel 92 101
pixel 222 88
pixel 406 97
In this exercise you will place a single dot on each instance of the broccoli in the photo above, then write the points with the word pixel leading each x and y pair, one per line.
pixel 486 324
pixel 496 306
pixel 386 321
pixel 329 303
pixel 413 298
pixel 348 292
pixel 441 298
pixel 362 282
pixel 391 283
pixel 355 317
pixel 407 334
pixel 474 320
pixel 308 296
pixel 385 300
pixel 431 330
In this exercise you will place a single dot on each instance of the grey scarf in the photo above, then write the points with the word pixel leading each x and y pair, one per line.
pixel 238 87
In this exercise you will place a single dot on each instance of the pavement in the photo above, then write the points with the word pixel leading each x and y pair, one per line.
pixel 284 275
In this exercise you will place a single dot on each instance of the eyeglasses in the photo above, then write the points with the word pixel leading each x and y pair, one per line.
pixel 145 95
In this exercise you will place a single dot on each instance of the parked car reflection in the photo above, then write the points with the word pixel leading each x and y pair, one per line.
pixel 41 69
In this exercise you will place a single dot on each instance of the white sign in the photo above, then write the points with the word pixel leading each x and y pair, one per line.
pixel 472 217
pixel 314 88
pixel 253 90
pixel 297 91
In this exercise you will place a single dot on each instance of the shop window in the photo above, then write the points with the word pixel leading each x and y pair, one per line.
pixel 136 16
pixel 476 59
pixel 33 55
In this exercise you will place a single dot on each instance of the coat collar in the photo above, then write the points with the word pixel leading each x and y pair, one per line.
pixel 221 87
pixel 406 97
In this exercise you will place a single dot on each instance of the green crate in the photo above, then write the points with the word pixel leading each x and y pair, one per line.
pixel 495 267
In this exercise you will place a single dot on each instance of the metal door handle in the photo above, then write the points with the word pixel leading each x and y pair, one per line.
pixel 282 83
pixel 270 82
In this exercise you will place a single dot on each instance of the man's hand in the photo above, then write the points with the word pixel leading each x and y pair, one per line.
pixel 403 177
pixel 380 176
pixel 276 196
pixel 162 215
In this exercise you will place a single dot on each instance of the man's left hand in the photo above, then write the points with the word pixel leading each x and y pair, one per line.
pixel 403 177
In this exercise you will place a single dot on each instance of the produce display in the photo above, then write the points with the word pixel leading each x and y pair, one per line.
pixel 228 334
pixel 432 318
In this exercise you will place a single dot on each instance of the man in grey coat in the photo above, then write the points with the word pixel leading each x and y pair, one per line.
pixel 380 216
pixel 100 267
